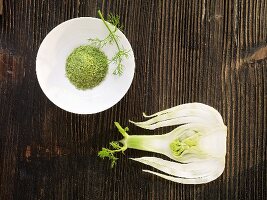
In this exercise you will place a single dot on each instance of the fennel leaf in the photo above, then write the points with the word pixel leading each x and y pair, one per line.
pixel 112 37
pixel 115 147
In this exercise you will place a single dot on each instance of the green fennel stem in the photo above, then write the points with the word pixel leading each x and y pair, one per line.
pixel 151 143
pixel 102 18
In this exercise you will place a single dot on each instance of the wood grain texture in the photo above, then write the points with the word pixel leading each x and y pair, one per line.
pixel 1 7
pixel 210 51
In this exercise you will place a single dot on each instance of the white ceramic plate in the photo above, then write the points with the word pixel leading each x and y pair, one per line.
pixel 51 60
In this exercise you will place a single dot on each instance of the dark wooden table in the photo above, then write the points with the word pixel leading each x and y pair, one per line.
pixel 209 51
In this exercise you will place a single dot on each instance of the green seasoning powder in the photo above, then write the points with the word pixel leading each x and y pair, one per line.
pixel 86 67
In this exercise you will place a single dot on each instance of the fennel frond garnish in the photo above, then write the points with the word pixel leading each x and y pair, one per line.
pixel 112 38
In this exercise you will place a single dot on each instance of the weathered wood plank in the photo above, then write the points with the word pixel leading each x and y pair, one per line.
pixel 1 7
pixel 210 51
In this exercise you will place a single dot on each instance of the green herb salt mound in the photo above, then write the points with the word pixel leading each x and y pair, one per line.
pixel 86 67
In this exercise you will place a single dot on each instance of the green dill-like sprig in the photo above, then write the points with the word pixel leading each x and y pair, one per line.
pixel 117 58
pixel 115 147
pixel 110 153
pixel 115 21
pixel 112 37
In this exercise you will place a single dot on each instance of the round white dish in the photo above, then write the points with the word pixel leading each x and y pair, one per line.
pixel 51 61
